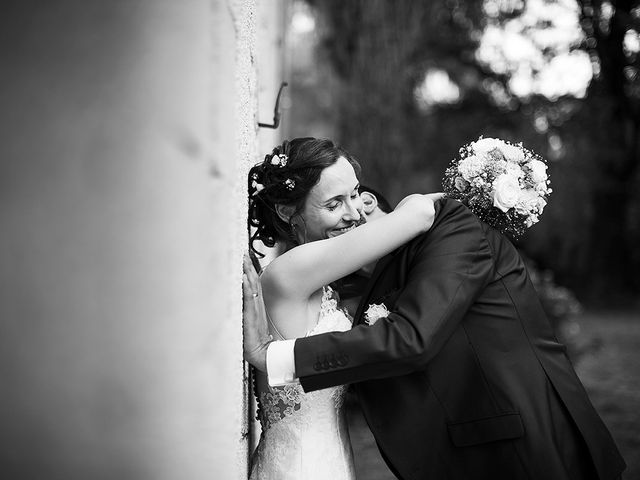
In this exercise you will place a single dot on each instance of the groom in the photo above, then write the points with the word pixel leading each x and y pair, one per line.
pixel 464 378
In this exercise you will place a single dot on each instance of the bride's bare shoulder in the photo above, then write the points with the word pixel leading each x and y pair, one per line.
pixel 281 276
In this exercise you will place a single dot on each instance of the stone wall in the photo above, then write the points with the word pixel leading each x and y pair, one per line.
pixel 126 131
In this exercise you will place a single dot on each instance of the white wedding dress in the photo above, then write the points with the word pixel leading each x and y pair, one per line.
pixel 305 435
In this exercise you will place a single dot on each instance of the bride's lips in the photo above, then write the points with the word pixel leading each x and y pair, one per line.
pixel 339 231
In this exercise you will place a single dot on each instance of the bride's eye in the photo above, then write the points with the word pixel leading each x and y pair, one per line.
pixel 332 206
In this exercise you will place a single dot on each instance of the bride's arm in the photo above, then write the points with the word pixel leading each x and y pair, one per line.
pixel 302 270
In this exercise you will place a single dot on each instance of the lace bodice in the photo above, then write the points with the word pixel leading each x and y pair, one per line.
pixel 304 435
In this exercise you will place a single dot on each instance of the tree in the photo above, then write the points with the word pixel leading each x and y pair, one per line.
pixel 380 51
pixel 613 108
pixel 383 51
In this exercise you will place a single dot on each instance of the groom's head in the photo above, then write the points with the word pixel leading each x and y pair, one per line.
pixel 375 205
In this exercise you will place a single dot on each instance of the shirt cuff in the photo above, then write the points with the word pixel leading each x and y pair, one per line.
pixel 281 368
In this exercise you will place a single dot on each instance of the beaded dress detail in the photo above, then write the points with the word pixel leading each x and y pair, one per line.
pixel 304 435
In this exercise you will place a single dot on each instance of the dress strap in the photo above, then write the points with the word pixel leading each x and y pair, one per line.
pixel 327 294
pixel 273 327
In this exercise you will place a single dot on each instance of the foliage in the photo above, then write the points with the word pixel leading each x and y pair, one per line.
pixel 562 309
pixel 380 52
pixel 559 302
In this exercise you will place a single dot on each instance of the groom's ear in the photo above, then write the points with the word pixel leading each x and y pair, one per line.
pixel 285 212
pixel 370 202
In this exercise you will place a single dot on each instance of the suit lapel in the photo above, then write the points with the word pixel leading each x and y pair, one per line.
pixel 380 267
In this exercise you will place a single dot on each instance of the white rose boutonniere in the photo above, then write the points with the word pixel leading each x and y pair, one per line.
pixel 375 312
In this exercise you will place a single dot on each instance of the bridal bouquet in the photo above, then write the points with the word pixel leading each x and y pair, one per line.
pixel 505 185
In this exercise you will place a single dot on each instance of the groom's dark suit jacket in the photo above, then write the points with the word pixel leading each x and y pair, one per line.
pixel 465 378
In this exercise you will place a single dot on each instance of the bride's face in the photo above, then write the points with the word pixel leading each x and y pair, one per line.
pixel 333 206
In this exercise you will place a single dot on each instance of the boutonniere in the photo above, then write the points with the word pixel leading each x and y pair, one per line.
pixel 375 312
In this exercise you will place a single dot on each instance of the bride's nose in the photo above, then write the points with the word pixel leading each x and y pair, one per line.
pixel 354 209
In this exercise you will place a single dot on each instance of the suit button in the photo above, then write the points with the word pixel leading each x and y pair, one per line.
pixel 332 361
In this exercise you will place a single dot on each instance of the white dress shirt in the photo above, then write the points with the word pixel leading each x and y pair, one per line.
pixel 281 367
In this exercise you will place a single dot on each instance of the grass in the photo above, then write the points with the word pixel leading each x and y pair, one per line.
pixel 610 371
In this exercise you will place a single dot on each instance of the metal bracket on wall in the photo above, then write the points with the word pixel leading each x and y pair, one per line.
pixel 276 111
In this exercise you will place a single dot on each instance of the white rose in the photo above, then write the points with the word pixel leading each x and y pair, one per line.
pixel 485 145
pixel 541 188
pixel 471 167
pixel 527 201
pixel 374 313
pixel 522 208
pixel 506 192
pixel 512 153
pixel 514 170
pixel 541 203
pixel 538 171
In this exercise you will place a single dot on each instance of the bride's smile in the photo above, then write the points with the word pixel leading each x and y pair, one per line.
pixel 334 205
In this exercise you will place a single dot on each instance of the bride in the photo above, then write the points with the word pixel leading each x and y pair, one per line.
pixel 304 197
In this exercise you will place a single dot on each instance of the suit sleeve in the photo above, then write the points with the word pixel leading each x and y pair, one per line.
pixel 444 272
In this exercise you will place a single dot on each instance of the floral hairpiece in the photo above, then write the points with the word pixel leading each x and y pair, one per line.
pixel 505 185
pixel 290 184
pixel 258 187
pixel 279 160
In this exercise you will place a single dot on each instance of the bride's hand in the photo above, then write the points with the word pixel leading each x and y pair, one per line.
pixel 429 197
pixel 255 330
pixel 423 206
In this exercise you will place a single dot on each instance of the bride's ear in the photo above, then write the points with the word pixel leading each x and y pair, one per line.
pixel 370 202
pixel 285 212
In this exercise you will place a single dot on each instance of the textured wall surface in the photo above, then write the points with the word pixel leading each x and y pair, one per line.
pixel 126 129
pixel 272 69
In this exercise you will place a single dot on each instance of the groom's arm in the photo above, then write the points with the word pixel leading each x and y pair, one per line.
pixel 447 269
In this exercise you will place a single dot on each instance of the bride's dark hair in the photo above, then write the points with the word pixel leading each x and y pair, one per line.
pixel 285 177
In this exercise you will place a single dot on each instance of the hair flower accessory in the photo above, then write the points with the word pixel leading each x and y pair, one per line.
pixel 290 184
pixel 375 312
pixel 279 160
pixel 258 187
pixel 506 185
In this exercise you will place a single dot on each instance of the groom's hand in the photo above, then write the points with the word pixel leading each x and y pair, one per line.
pixel 255 331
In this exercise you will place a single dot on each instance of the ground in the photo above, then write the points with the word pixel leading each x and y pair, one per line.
pixel 607 360
pixel 611 374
